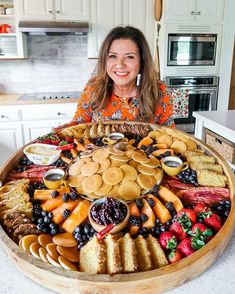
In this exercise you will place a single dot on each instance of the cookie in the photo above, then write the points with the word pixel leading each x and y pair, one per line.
pixel 112 176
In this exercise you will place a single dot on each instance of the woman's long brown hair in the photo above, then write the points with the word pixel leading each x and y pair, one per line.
pixel 148 86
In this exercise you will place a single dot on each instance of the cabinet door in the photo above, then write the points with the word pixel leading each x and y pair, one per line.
pixel 35 9
pixel 105 14
pixel 72 10
pixel 10 139
pixel 34 129
pixel 140 14
pixel 179 10
pixel 210 11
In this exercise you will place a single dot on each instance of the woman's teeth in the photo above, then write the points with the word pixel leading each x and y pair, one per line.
pixel 121 73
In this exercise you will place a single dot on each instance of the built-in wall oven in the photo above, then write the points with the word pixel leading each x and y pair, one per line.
pixel 192 94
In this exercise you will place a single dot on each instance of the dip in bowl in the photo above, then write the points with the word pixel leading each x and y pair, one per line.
pixel 42 154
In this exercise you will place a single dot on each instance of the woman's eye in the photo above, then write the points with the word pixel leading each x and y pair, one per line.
pixel 112 56
pixel 130 57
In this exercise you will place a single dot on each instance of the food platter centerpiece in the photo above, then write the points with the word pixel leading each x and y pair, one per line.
pixel 114 203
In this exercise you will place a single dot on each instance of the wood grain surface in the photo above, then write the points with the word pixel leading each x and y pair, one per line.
pixel 154 281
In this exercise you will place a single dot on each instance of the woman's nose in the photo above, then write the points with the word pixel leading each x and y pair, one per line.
pixel 120 63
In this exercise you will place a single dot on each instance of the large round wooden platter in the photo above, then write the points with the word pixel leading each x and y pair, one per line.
pixel 154 281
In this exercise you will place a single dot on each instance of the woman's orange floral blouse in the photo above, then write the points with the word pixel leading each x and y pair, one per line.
pixel 120 108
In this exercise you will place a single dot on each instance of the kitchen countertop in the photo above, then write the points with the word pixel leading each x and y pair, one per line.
pixel 13 99
pixel 218 279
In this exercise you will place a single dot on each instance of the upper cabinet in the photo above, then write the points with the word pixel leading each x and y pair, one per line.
pixel 106 14
pixel 54 10
pixel 11 40
pixel 203 11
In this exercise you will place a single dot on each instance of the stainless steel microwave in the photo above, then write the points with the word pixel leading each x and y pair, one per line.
pixel 191 49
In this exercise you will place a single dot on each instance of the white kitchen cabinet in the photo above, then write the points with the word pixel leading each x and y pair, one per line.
pixel 12 42
pixel 20 124
pixel 34 129
pixel 53 10
pixel 202 11
pixel 106 14
pixel 11 139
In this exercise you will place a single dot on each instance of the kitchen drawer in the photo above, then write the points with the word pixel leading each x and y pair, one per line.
pixel 48 111
pixel 7 114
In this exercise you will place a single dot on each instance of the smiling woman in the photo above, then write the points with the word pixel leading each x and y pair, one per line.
pixel 125 86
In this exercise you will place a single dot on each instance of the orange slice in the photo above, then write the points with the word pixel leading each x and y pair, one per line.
pixel 90 168
pixel 92 183
pixel 112 176
pixel 129 190
pixel 129 172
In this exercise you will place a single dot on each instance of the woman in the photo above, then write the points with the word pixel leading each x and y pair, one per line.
pixel 125 86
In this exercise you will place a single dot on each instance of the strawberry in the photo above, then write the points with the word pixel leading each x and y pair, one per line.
pixel 167 240
pixel 69 139
pixel 175 255
pixel 178 230
pixel 189 213
pixel 185 246
pixel 200 207
pixel 200 235
pixel 213 221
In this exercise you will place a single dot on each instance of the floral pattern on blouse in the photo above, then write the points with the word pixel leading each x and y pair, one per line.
pixel 128 109
pixel 180 102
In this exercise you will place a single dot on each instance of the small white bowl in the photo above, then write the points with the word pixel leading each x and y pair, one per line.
pixel 42 154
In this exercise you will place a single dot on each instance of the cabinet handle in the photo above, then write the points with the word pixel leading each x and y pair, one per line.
pixel 192 12
pixel 50 11
pixel 199 13
pixel 57 11
pixel 60 113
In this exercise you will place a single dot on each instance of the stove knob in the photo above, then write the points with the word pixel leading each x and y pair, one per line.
pixel 56 97
pixel 50 97
pixel 62 97
pixel 67 97
pixel 44 97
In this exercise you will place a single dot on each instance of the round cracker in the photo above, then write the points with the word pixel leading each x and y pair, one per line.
pixel 129 172
pixel 104 189
pixel 75 168
pixel 112 176
pixel 158 176
pixel 115 163
pixel 122 158
pixel 146 182
pixel 179 147
pixel 104 165
pixel 90 168
pixel 75 181
pixel 66 264
pixel 137 156
pixel 133 163
pixel 154 162
pixel 92 183
pixel 100 155
pixel 164 139
pixel 129 153
pixel 146 170
pixel 191 145
pixel 129 190
pixel 34 249
pixel 114 192
pixel 115 151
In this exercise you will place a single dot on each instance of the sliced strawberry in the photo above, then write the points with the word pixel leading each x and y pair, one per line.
pixel 185 246
pixel 167 240
pixel 189 213
pixel 175 255
pixel 177 229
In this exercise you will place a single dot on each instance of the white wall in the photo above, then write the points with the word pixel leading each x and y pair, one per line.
pixel 226 55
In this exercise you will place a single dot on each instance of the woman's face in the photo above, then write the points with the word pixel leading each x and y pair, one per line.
pixel 123 62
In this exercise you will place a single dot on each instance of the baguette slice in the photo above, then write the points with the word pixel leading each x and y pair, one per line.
pixel 128 254
pixel 209 166
pixel 143 254
pixel 113 255
pixel 211 179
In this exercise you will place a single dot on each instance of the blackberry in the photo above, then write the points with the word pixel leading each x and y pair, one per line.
pixel 143 147
pixel 171 208
pixel 143 217
pixel 151 202
pixel 54 194
pixel 66 213
pixel 149 149
pixel 73 195
pixel 134 221
pixel 37 210
pixel 155 189
pixel 139 203
pixel 65 197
